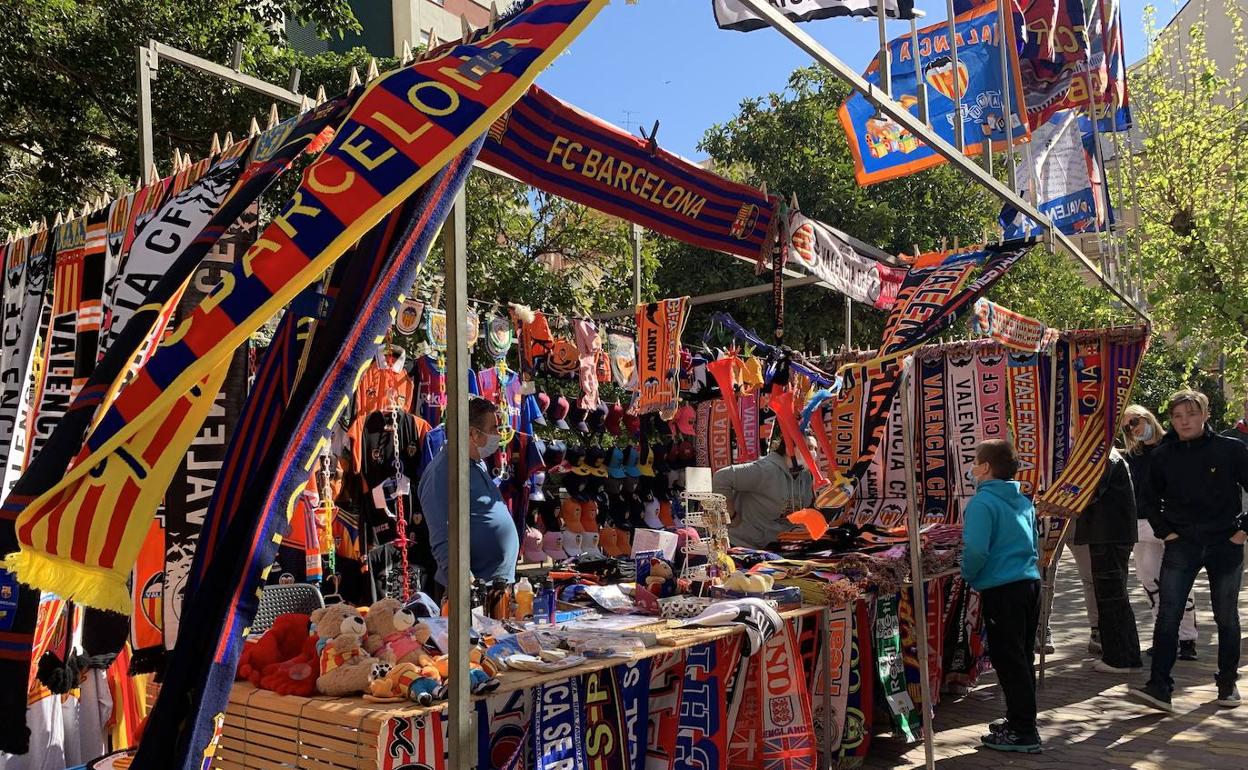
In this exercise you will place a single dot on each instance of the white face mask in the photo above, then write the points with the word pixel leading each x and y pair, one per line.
pixel 490 446
pixel 1146 432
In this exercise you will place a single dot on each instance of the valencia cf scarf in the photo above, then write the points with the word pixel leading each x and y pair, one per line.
pixel 1013 330
pixel 26 281
pixel 937 505
pixel 503 729
pixel 553 146
pixel 964 419
pixel 147 626
pixel 837 681
pixel 891 666
pixel 993 390
pixel 702 731
pixel 667 673
pixel 860 704
pixel 719 435
pixel 405 127
pixel 558 730
pixel 659 326
pixel 1027 410
pixel 1118 364
pixel 632 682
pixel 203 664
pixel 750 447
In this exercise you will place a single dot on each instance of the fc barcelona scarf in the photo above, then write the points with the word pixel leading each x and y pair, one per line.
pixel 659 326
pixel 1027 409
pixel 203 664
pixel 558 730
pixel 702 730
pixel 402 131
pixel 1074 489
pixel 26 277
pixel 667 673
pixel 551 145
pixel 937 505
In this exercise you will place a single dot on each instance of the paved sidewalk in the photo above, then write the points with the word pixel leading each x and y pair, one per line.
pixel 1085 720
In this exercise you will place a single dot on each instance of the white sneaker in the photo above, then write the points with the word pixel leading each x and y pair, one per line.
pixel 1104 668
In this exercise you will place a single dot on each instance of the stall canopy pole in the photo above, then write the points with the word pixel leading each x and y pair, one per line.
pixel 764 10
pixel 885 59
pixel 917 587
pixel 959 136
pixel 462 735
pixel 636 238
pixel 918 73
pixel 1003 39
pixel 849 323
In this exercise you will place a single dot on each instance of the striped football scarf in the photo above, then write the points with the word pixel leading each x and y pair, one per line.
pixel 1118 366
pixel 891 667
pixel 558 726
pixel 81 537
pixel 659 327
pixel 503 723
pixel 1028 405
pixel 667 674
pixel 993 393
pixel 26 280
pixel 964 417
pixel 701 734
pixel 1013 330
pixel 254 500
pixel 937 505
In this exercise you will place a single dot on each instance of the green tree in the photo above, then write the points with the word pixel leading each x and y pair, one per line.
pixel 1190 195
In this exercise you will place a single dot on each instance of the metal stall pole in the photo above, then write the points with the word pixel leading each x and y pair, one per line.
pixel 147 158
pixel 959 138
pixel 920 82
pixel 636 239
pixel 917 588
pixel 462 732
pixel 1049 577
pixel 885 60
pixel 849 323
pixel 1003 40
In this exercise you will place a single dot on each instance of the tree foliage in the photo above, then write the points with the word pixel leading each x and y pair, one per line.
pixel 1190 194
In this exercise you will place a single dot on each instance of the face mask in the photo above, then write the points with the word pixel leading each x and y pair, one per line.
pixel 491 446
pixel 969 476
pixel 1146 434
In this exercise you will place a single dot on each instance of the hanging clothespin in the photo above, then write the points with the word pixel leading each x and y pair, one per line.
pixel 320 95
pixel 652 143
pixel 956 243
pixel 406 56
pixel 763 187
pixel 155 172
pixel 216 144
pixel 434 42
pixel 274 118
pixel 254 128
pixel 466 28
pixel 305 103
pixel 353 79
pixel 793 202
pixel 493 14
pixel 177 159
pixel 371 73
pixel 944 243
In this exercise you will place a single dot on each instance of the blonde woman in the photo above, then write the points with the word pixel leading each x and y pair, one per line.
pixel 1141 433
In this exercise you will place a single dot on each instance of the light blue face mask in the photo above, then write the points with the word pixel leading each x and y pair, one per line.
pixel 1146 435
pixel 969 475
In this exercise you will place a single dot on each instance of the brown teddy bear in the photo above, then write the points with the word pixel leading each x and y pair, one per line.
pixel 393 634
pixel 345 668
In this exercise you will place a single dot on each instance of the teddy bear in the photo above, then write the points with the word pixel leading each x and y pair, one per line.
pixel 345 668
pixel 403 681
pixel 661 581
pixel 394 636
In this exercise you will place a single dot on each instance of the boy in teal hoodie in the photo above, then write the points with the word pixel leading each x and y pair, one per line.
pixel 999 559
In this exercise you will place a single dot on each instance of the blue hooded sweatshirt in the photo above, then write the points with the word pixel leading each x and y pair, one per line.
pixel 999 532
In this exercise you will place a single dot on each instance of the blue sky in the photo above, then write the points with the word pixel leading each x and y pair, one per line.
pixel 666 60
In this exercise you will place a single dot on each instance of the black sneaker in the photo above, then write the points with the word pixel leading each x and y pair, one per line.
pixel 1047 646
pixel 1011 740
pixel 994 729
pixel 1187 650
pixel 1228 696
pixel 1152 695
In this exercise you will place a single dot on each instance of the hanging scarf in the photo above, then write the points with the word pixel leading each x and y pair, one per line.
pixel 719 436
pixel 1027 417
pixel 933 449
pixel 839 430
pixel 632 682
pixel 190 489
pixel 840 638
pixel 659 327
pixel 860 706
pixel 993 394
pixel 90 303
pixel 965 415
pixel 774 724
pixel 891 667
pixel 503 729
pixel 605 737
pixel 1116 365
pixel 26 282
pixel 750 447
pixel 147 625
pixel 253 502
pixel 355 183
pixel 667 673
pixel 934 604
pixel 558 728
pixel 412 741
pixel 1060 364
pixel 702 731
pixel 1013 330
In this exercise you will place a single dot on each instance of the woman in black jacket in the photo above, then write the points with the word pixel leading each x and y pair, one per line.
pixel 1141 433
pixel 1108 527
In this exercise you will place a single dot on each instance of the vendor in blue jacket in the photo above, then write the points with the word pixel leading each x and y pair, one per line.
pixel 999 560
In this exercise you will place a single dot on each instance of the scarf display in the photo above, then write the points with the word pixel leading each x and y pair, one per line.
pixel 891 667
pixel 1060 367
pixel 667 674
pixel 1013 330
pixel 606 746
pixel 702 730
pixel 632 682
pixel 363 175
pixel 733 14
pixel 932 433
pixel 860 703
pixel 822 251
pixel 551 145
pixel 415 741
pixel 719 435
pixel 26 280
pixel 773 725
pixel 1027 411
pixel 964 417
pixel 90 299
pixel 558 730
pixel 203 665
pixel 147 584
pixel 659 327
pixel 750 448
pixel 190 489
pixel 503 730
pixel 1117 363
pixel 836 681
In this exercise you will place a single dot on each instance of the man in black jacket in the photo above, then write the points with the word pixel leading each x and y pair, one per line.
pixel 1108 527
pixel 1194 489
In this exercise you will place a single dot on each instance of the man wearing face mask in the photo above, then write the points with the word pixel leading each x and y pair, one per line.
pixel 494 543
pixel 762 493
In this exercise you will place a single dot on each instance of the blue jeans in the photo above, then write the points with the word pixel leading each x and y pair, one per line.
pixel 1224 564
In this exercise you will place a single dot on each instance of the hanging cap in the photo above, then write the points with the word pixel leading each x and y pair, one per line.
pixel 615 418
pixel 558 413
pixel 576 417
pixel 543 405
pixel 597 418
pixel 685 417
pixel 632 424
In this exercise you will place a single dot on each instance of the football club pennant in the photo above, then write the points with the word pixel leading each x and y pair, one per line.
pixel 1013 330
pixel 1059 171
pixel 26 281
pixel 883 149
pixel 405 127
pixel 551 145
pixel 659 326
pixel 735 15
pixel 1089 457
pixel 822 251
